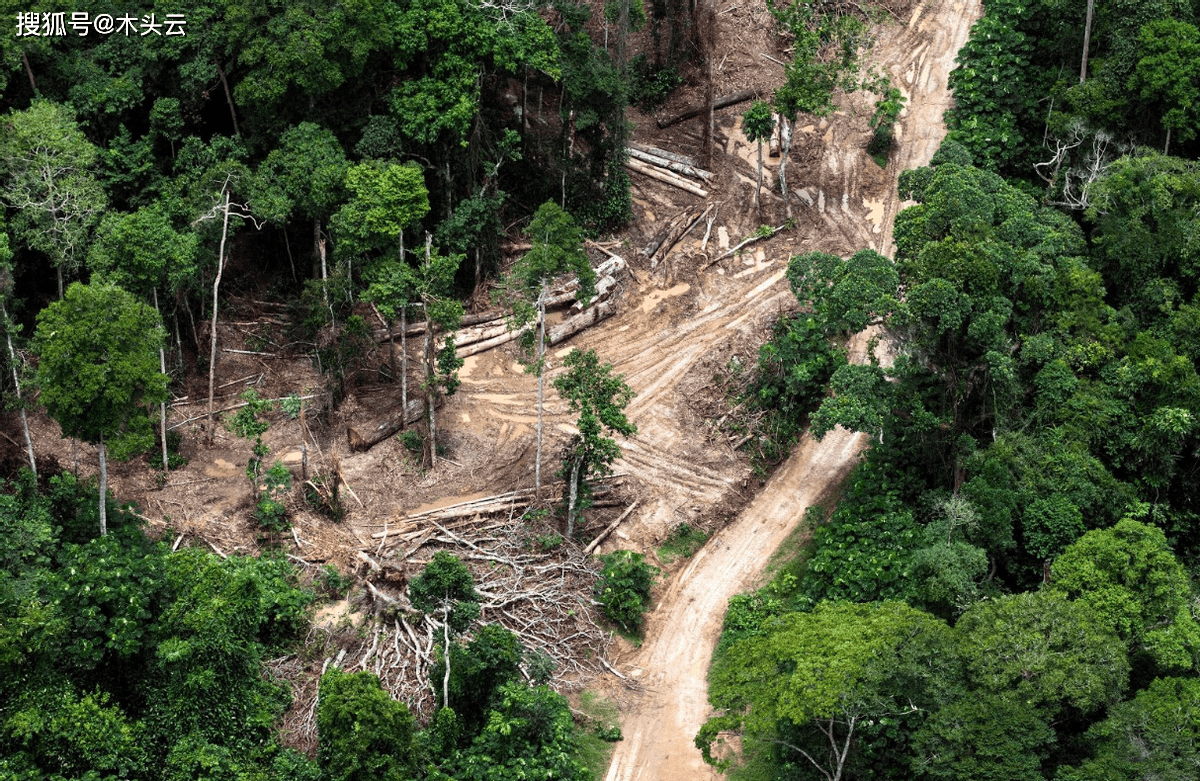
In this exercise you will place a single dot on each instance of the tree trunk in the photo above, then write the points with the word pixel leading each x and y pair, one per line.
pixel 1087 39
pixel 324 275
pixel 58 270
pixel 29 73
pixel 740 96
pixel 316 248
pixel 212 353
pixel 12 363
pixel 430 370
pixel 785 134
pixel 404 360
pixel 571 501
pixel 541 352
pixel 162 407
pixel 1167 145
pixel 446 654
pixel 758 188
pixel 103 487
pixel 229 99
pixel 291 261
pixel 361 438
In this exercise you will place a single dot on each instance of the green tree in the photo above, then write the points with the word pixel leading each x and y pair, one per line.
pixel 1133 581
pixel 529 734
pixel 600 398
pixel 848 295
pixel 443 314
pixel 386 198
pixel 446 587
pixel 1044 649
pixel 480 668
pixel 364 733
pixel 48 179
pixel 97 367
pixel 142 252
pixel 623 588
pixel 557 250
pixel 757 124
pixel 1169 73
pixel 832 671
pixel 1156 735
pixel 304 176
pixel 983 737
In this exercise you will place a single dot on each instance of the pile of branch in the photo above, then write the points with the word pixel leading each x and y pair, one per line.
pixel 543 598
pixel 672 233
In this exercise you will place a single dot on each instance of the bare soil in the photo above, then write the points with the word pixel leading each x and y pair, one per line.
pixel 677 324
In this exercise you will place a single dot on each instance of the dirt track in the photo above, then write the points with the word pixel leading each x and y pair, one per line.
pixel 673 662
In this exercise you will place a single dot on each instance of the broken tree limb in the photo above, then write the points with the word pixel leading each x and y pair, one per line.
pixel 653 150
pixel 745 242
pixel 591 546
pixel 670 165
pixel 676 237
pixel 664 176
pixel 740 96
pixel 656 242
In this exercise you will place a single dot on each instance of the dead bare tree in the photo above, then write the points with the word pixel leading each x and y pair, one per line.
pixel 223 210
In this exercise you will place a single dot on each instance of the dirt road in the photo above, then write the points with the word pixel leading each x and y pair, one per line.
pixel 682 631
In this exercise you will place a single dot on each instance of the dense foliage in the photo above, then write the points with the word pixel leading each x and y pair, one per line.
pixel 1007 585
pixel 122 659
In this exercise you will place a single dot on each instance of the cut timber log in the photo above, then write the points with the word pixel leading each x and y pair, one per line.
pixel 729 100
pixel 363 438
pixel 573 325
pixel 495 341
pixel 653 150
pixel 670 165
pixel 664 176
pixel 609 529
pixel 676 236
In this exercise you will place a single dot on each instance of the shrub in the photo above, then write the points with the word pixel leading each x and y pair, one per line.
pixel 624 588
pixel 650 85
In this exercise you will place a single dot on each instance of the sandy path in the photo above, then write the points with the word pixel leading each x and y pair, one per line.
pixel 682 631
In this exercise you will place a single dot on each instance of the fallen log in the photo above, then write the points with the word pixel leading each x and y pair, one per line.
pixel 670 165
pixel 653 150
pixel 656 242
pixel 729 100
pixel 591 546
pixel 495 341
pixel 676 236
pixel 363 438
pixel 573 325
pixel 664 176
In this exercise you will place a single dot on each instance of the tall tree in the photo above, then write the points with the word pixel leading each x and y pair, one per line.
pixel 386 198
pixel 757 124
pixel 443 314
pixel 1169 73
pixel 557 250
pixel 831 672
pixel 143 253
pixel 600 397
pixel 304 176
pixel 6 287
pixel 49 179
pixel 98 368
